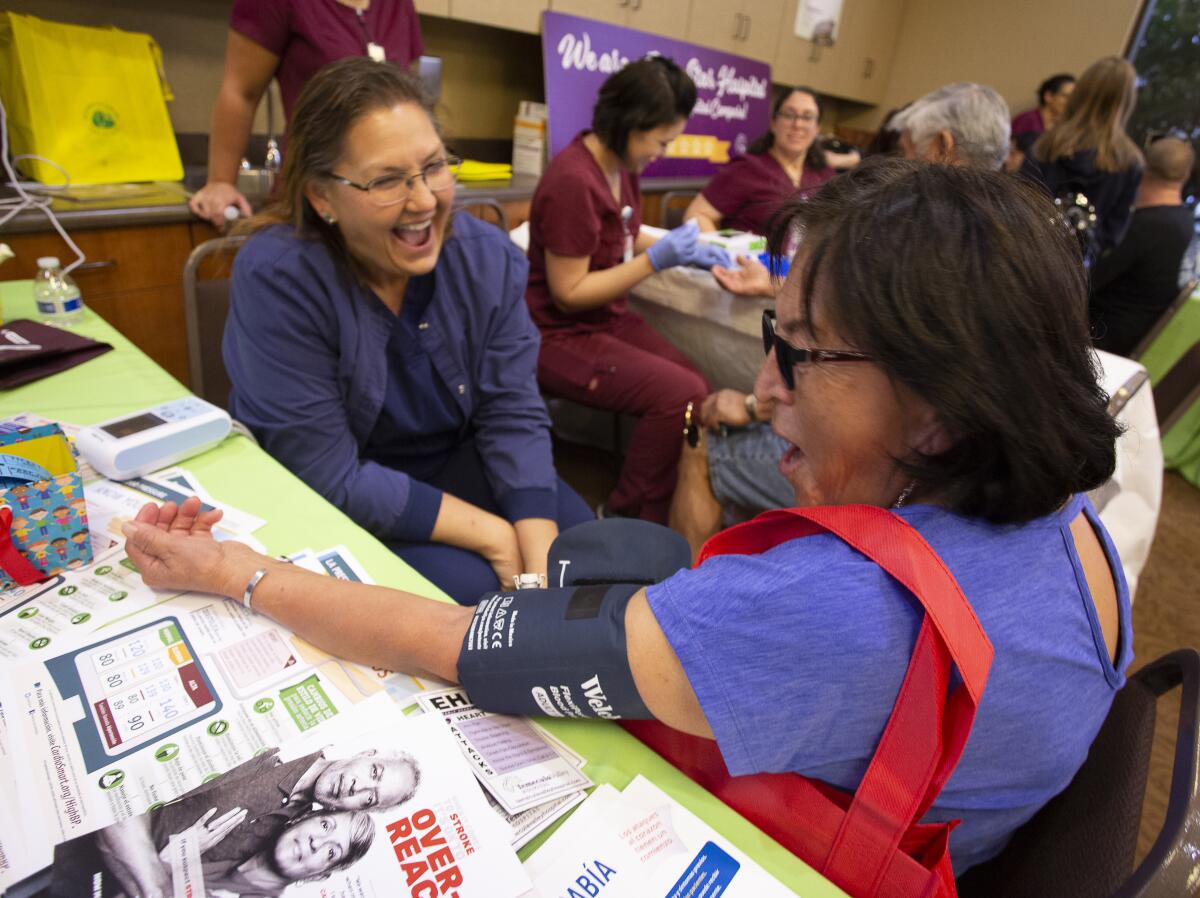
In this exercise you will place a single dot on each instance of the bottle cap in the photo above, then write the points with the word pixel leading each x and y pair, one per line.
pixel 48 262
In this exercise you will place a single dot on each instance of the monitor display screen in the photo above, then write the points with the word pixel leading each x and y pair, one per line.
pixel 133 425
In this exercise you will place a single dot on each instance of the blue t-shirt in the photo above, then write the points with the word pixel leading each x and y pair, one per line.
pixel 797 655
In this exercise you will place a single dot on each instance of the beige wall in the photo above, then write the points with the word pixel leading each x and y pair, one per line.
pixel 1011 45
pixel 485 71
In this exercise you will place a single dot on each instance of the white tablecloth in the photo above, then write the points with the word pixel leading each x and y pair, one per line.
pixel 722 334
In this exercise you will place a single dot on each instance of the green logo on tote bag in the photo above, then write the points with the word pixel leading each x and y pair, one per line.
pixel 103 117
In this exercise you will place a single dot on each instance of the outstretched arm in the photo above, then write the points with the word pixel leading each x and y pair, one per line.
pixel 173 547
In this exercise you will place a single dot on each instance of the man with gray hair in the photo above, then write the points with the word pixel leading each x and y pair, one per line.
pixel 959 124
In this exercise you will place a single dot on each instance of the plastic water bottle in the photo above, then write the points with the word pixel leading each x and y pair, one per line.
pixel 57 296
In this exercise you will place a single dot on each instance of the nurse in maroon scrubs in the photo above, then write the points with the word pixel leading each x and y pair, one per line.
pixel 586 251
pixel 783 162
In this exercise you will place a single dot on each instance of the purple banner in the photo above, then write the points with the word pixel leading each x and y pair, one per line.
pixel 733 103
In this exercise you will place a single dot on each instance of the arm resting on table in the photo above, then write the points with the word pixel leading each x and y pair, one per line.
pixel 173 547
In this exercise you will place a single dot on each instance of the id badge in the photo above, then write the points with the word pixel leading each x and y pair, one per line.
pixel 628 255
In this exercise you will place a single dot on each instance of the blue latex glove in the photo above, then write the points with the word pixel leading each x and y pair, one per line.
pixel 707 256
pixel 677 247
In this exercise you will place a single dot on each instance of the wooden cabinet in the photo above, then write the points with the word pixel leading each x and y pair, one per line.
pixel 745 27
pixel 665 17
pixel 854 68
pixel 869 31
pixel 433 7
pixel 132 279
pixel 614 12
pixel 515 15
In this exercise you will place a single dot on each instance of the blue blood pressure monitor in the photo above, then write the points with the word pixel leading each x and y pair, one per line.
pixel 153 438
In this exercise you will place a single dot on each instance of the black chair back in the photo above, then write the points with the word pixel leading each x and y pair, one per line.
pixel 205 305
pixel 1082 843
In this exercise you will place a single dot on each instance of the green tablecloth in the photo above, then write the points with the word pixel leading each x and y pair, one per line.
pixel 1181 445
pixel 243 475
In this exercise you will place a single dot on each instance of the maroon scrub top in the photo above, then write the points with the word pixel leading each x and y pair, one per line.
pixel 1027 121
pixel 574 214
pixel 750 187
pixel 308 34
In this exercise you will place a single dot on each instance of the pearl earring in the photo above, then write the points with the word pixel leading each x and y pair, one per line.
pixel 329 219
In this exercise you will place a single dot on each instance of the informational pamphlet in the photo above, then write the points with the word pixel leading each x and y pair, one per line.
pixel 640 843
pixel 391 811
pixel 119 721
pixel 36 620
pixel 516 763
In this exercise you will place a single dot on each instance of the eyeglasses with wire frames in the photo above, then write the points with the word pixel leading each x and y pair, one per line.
pixel 788 356
pixel 394 189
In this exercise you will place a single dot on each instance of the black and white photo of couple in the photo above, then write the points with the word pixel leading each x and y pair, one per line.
pixel 259 828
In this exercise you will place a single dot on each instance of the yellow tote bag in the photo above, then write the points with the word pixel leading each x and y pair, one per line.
pixel 91 99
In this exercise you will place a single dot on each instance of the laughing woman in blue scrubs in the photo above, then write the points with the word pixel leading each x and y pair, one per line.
pixel 381 349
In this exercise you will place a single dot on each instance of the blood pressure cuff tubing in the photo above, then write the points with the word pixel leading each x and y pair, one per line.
pixel 552 652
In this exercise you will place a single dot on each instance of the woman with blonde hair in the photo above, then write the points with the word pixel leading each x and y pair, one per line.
pixel 1089 153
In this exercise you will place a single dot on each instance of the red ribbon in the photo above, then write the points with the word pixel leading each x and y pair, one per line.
pixel 12 561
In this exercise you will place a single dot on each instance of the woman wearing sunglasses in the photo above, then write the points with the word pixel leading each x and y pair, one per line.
pixel 381 349
pixel 901 379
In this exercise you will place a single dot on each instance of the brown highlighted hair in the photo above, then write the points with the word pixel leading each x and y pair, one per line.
pixel 333 100
pixel 815 157
pixel 967 289
pixel 1097 113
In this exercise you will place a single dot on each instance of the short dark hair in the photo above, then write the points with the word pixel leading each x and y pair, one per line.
pixel 1053 85
pixel 815 157
pixel 965 287
pixel 645 94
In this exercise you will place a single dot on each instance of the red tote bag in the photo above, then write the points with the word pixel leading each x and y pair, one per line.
pixel 869 844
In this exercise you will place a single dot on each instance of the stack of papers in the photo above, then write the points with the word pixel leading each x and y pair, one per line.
pixel 642 844
pixel 531 779
pixel 429 833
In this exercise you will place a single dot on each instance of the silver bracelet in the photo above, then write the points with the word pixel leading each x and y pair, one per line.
pixel 254 581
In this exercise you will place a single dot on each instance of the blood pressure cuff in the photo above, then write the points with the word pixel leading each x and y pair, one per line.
pixel 552 652
pixel 617 550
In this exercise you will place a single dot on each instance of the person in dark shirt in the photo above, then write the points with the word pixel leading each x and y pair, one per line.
pixel 1053 95
pixel 1089 153
pixel 1135 283
pixel 379 345
pixel 786 161
pixel 587 250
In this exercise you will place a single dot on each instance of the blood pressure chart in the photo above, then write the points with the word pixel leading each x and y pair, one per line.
pixel 134 688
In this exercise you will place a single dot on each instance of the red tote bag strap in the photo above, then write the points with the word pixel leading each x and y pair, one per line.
pixel 12 561
pixel 927 729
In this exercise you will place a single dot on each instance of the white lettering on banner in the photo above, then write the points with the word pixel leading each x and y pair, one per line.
pixel 714 109
pixel 726 81
pixel 577 53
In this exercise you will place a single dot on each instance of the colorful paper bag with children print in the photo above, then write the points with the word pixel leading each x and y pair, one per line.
pixel 43 517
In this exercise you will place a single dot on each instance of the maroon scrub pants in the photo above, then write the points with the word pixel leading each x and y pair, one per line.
pixel 631 369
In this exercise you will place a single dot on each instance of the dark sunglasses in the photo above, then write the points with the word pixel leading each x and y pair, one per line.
pixel 788 356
